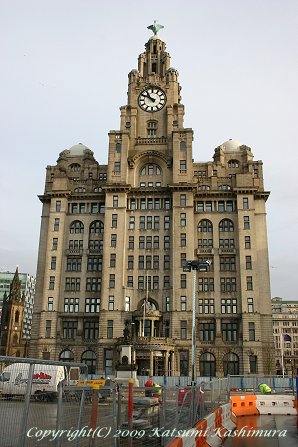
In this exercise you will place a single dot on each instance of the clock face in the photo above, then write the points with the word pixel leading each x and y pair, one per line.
pixel 152 99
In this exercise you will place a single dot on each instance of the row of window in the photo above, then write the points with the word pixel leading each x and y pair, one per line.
pixel 146 203
pixel 82 208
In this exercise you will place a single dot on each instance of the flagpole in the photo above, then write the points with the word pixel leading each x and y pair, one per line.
pixel 282 354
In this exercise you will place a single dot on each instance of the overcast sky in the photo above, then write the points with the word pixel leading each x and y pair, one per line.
pixel 64 66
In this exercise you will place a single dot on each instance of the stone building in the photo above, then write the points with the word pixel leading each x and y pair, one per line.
pixel 285 331
pixel 114 239
pixel 12 340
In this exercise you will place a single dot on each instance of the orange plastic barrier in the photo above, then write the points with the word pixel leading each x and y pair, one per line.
pixel 177 442
pixel 201 426
pixel 218 419
pixel 244 405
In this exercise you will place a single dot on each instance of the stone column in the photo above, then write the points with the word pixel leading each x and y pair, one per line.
pixel 151 363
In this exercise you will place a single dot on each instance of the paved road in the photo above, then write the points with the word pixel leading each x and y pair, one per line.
pixel 286 423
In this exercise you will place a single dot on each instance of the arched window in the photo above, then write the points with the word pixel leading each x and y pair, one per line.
pixel 233 164
pixel 205 226
pixel 75 167
pixel 97 189
pixel 207 365
pixel 96 227
pixel 226 225
pixel 203 187
pixel 149 304
pixel 77 227
pixel 150 169
pixel 231 364
pixel 66 356
pixel 224 187
pixel 17 316
pixel 89 358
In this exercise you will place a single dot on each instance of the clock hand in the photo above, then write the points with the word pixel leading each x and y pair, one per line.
pixel 150 97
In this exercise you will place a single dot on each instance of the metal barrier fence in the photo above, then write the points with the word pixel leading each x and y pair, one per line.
pixel 64 413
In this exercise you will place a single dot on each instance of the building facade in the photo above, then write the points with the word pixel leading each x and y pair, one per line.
pixel 28 290
pixel 12 340
pixel 285 329
pixel 114 239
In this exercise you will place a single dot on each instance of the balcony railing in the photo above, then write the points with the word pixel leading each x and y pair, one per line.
pixel 230 251
pixel 153 140
pixel 201 251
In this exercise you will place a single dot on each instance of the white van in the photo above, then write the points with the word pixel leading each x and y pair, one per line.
pixel 46 378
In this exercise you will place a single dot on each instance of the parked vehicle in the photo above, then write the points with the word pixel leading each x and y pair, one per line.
pixel 46 378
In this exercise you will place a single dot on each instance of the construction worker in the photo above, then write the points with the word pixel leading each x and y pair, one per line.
pixel 264 388
pixel 149 384
pixel 156 392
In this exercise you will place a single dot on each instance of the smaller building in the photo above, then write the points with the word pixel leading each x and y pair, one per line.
pixel 28 289
pixel 12 341
pixel 285 331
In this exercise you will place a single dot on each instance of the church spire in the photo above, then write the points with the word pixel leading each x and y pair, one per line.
pixel 15 287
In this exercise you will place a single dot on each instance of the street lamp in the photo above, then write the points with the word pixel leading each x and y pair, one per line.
pixel 201 265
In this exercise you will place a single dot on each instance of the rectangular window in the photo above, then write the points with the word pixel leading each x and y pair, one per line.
pixel 117 166
pixel 141 282
pixel 114 220
pixel 245 203
pixel 58 206
pixel 183 283
pixel 200 207
pixel 167 242
pixel 167 222
pixel 73 264
pixel 52 283
pixel 94 244
pixel 167 303
pixel 72 284
pixel 75 244
pixel 93 284
pixel 246 222
pixel 130 261
pixel 55 243
pixel 182 259
pixel 50 303
pixel 94 264
pixel 141 263
pixel 208 207
pixel 56 224
pixel 156 223
pixel 155 241
pixel 166 282
pixel 92 305
pixel 247 242
pixel 70 329
pixel 249 283
pixel 183 219
pixel 148 242
pixel 142 204
pixel 127 304
pixel 132 204
pixel 155 282
pixel 112 260
pixel 142 223
pixel 48 328
pixel 114 240
pixel 184 363
pixel 53 262
pixel 206 306
pixel 131 224
pixel 207 331
pixel 71 304
pixel 182 165
pixel 221 206
pixel 157 203
pixel 156 262
pixel 131 242
pixel 112 281
pixel 228 285
pixel 130 281
pixel 205 243
pixel 110 330
pixel 141 242
pixel 167 204
pixel 91 330
pixel 150 204
pixel 149 222
pixel 229 206
pixel 229 306
pixel 183 239
pixel 166 262
pixel 229 331
pixel 183 303
pixel 253 365
pixel 248 263
pixel 206 284
pixel 111 302
pixel 251 332
pixel 148 262
pixel 250 305
pixel 115 201
pixel 182 200
pixel 227 263
pixel 183 329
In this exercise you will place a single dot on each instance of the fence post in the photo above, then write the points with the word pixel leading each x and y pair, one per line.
pixel 80 415
pixel 59 411
pixel 23 427
pixel 94 410
pixel 130 409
